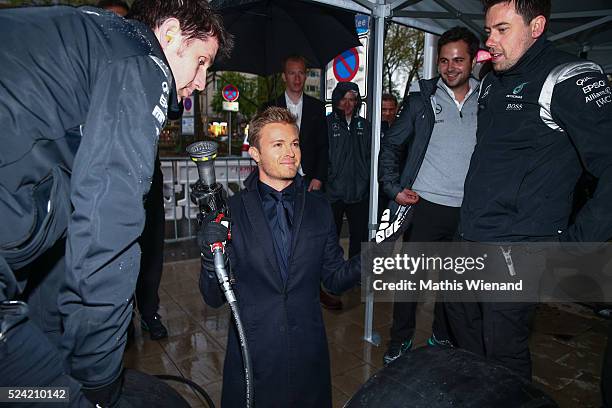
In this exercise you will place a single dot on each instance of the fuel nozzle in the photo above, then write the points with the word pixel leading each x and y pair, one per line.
pixel 206 193
pixel 204 154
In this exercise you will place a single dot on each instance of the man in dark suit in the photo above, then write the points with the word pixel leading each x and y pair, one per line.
pixel 283 246
pixel 314 143
pixel 310 113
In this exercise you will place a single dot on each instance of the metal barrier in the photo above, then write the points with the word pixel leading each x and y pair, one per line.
pixel 179 174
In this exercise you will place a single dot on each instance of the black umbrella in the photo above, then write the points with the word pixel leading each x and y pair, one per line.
pixel 267 31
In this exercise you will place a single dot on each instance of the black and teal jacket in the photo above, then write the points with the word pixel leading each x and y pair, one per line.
pixel 540 124
pixel 83 96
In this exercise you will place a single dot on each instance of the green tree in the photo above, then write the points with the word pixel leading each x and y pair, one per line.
pixel 254 91
pixel 402 57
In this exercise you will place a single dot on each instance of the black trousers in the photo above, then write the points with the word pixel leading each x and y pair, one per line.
pixel 431 223
pixel 357 215
pixel 494 327
pixel 497 331
pixel 606 372
pixel 152 246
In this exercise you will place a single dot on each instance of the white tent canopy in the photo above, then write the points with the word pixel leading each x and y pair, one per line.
pixel 577 27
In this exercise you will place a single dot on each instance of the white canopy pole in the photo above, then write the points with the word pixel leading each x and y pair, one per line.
pixel 430 55
pixel 378 26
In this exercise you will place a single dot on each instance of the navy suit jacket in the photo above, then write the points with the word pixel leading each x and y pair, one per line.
pixel 283 320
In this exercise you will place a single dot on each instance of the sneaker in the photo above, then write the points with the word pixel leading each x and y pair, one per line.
pixel 155 327
pixel 395 350
pixel 435 342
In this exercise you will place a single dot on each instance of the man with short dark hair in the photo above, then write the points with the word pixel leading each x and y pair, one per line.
pixel 437 131
pixel 152 239
pixel 543 116
pixel 283 245
pixel 388 111
pixel 82 102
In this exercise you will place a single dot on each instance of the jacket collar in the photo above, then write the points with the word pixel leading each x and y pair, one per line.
pixel 256 216
pixel 530 58
pixel 428 87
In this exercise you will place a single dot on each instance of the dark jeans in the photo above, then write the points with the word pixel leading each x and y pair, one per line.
pixel 152 246
pixel 357 215
pixel 431 223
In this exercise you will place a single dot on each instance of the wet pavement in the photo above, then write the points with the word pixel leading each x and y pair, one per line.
pixel 567 341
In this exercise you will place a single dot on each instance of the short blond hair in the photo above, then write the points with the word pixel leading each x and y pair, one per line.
pixel 273 114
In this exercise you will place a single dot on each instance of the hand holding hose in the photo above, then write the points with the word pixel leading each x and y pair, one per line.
pixel 210 233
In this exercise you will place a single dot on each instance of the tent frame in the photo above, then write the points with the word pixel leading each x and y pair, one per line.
pixel 394 10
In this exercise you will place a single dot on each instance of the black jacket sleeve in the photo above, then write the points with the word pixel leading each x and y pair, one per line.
pixel 337 274
pixel 392 149
pixel 111 174
pixel 585 112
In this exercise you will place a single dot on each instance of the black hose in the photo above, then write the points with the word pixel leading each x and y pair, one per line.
pixel 248 370
pixel 226 287
pixel 190 383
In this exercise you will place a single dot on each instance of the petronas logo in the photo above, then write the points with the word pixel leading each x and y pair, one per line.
pixel 519 88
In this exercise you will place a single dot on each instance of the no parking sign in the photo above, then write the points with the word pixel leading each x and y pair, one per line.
pixel 351 65
pixel 346 65
pixel 230 93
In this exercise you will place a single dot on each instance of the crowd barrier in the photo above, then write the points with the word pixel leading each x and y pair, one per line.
pixel 179 174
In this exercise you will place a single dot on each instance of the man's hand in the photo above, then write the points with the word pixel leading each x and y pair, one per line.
pixel 406 197
pixel 212 231
pixel 315 184
pixel 209 233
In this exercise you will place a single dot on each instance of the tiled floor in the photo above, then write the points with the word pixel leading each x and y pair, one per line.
pixel 566 344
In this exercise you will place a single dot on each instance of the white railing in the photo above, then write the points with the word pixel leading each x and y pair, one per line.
pixel 179 174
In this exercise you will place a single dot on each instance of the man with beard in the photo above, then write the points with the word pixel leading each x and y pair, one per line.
pixel 437 127
pixel 544 116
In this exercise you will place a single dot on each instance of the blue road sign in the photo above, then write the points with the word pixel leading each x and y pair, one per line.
pixel 346 65
pixel 362 24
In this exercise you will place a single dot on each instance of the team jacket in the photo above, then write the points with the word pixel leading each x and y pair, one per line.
pixel 349 151
pixel 539 124
pixel 405 143
pixel 83 96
